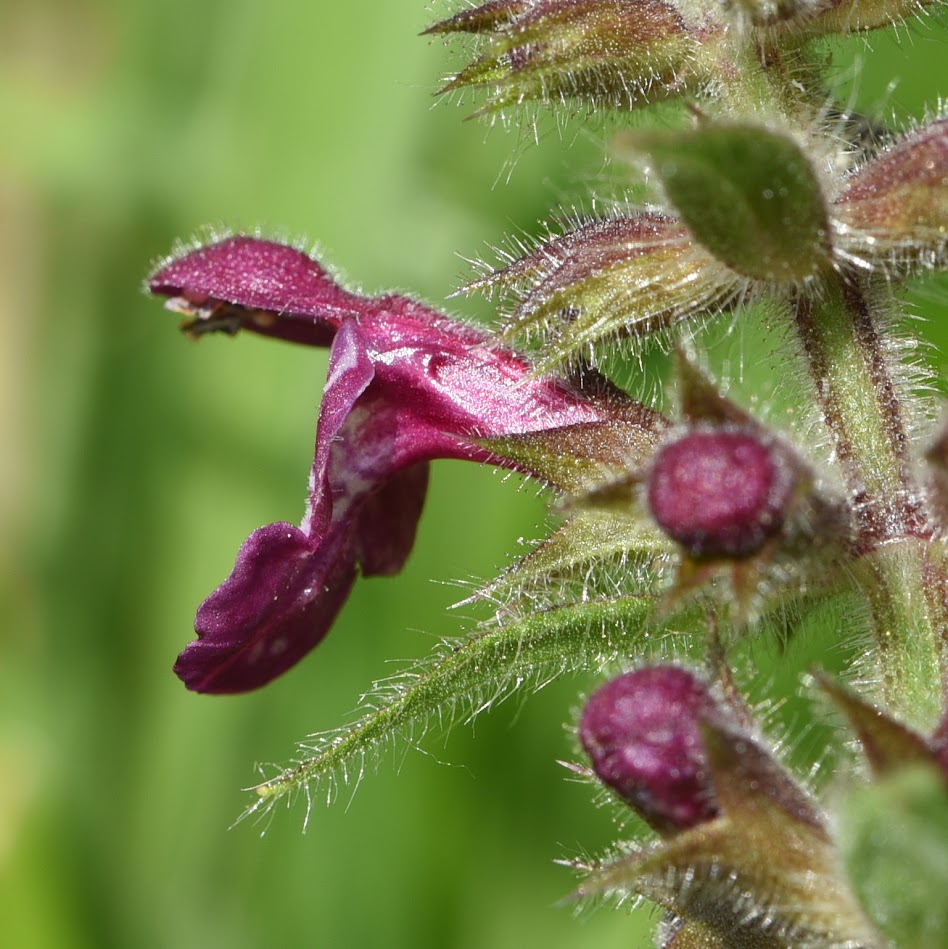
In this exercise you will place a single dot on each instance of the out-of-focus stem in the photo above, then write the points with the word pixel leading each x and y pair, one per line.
pixel 760 82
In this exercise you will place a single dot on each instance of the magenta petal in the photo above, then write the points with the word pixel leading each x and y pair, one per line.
pixel 288 584
pixel 278 602
pixel 245 282
pixel 387 522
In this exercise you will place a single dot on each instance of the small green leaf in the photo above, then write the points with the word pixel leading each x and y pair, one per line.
pixel 894 838
pixel 748 194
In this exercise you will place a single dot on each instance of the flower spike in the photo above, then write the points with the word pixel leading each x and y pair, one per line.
pixel 758 229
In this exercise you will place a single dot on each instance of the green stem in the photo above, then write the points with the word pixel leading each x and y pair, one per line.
pixel 862 408
pixel 908 638
pixel 841 328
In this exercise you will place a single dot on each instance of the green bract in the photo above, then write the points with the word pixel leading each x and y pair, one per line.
pixel 748 194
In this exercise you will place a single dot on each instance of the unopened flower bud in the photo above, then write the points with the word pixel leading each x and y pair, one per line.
pixel 615 54
pixel 628 274
pixel 643 734
pixel 896 205
pixel 721 492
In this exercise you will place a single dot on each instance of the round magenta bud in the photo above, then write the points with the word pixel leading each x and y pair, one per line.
pixel 720 493
pixel 643 734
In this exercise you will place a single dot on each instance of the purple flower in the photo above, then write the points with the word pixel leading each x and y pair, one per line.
pixel 405 385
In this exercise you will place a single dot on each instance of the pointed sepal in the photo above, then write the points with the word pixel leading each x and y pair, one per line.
pixel 488 17
pixel 750 784
pixel 701 402
pixel 575 457
pixel 887 744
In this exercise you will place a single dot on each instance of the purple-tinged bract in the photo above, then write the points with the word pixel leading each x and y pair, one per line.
pixel 896 204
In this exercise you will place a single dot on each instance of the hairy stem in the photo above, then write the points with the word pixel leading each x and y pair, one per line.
pixel 862 409
pixel 761 81
pixel 907 634
pixel 862 403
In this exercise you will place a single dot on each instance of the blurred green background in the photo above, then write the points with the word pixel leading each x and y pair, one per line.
pixel 134 464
